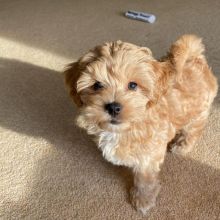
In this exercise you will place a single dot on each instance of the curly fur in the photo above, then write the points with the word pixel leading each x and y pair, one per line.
pixel 169 107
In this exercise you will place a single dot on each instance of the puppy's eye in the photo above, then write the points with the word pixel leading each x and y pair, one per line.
pixel 97 86
pixel 132 85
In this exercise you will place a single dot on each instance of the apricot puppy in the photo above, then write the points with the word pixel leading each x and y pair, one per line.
pixel 136 106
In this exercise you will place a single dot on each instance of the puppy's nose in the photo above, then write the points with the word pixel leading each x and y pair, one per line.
pixel 113 108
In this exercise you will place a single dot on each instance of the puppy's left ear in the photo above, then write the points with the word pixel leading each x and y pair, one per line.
pixel 162 71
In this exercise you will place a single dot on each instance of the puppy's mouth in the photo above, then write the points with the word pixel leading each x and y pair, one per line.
pixel 115 121
pixel 115 124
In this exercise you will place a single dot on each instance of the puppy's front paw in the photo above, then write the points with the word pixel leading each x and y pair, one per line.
pixel 141 202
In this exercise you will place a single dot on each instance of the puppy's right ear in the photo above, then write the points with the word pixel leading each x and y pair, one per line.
pixel 74 70
pixel 72 74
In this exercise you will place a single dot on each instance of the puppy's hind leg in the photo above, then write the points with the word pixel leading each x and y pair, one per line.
pixel 186 138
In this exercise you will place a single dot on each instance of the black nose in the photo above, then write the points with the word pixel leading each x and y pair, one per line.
pixel 113 108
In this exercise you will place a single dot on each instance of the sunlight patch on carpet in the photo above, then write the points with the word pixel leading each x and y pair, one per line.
pixel 16 50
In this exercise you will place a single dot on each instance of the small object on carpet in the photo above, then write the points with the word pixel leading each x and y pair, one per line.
pixel 150 18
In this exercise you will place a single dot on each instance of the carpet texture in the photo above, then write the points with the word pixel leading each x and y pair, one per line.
pixel 49 169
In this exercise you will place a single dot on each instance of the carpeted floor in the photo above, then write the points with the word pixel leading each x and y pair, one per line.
pixel 51 170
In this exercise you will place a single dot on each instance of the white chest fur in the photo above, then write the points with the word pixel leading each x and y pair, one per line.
pixel 108 143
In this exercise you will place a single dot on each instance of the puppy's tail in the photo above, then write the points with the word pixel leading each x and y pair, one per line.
pixel 186 50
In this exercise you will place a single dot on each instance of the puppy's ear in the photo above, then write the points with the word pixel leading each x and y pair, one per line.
pixel 72 74
pixel 162 71
pixel 74 71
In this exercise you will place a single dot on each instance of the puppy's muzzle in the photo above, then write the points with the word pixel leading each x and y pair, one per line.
pixel 113 108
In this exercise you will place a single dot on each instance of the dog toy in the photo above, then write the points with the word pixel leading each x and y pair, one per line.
pixel 150 18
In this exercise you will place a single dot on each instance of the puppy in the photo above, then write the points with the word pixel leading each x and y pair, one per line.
pixel 136 106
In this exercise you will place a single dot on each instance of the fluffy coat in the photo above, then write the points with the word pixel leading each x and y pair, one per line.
pixel 169 107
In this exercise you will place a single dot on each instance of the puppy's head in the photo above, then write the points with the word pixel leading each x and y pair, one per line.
pixel 114 85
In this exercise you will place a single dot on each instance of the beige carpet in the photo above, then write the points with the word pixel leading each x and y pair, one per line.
pixel 51 170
